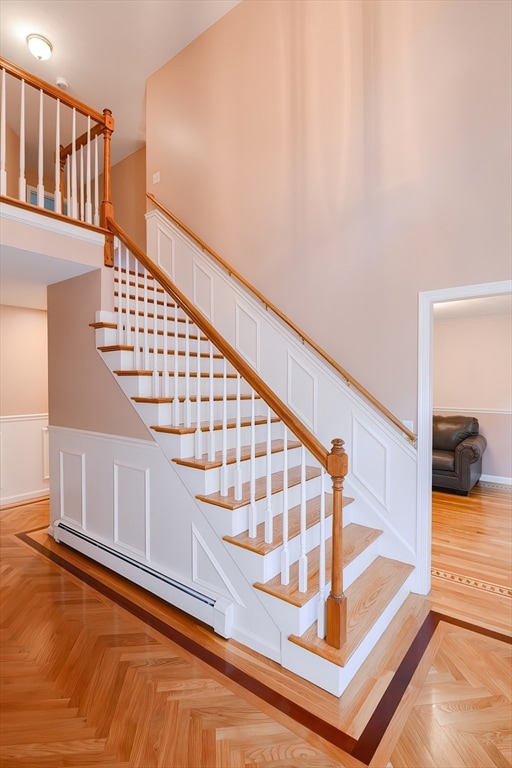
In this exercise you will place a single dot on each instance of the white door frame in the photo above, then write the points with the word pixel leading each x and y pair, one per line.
pixel 427 299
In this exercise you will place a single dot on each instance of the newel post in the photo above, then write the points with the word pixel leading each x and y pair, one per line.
pixel 107 208
pixel 336 604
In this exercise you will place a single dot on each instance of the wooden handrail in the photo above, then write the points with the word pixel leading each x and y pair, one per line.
pixel 308 439
pixel 51 90
pixel 82 140
pixel 268 305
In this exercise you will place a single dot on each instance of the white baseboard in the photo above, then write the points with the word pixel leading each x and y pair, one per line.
pixel 19 498
pixel 496 480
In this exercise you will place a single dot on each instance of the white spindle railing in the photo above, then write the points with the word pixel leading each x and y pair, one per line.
pixel 22 181
pixel 58 166
pixel 320 627
pixel 285 552
pixel 269 528
pixel 303 559
pixel 243 418
pixel 224 484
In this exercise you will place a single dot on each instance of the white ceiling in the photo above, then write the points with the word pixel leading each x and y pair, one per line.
pixel 106 50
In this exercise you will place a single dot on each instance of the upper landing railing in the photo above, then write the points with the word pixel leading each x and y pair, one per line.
pixel 51 153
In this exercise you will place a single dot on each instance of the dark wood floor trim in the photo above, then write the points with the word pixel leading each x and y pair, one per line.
pixel 363 748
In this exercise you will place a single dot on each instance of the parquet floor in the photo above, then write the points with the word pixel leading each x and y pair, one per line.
pixel 98 673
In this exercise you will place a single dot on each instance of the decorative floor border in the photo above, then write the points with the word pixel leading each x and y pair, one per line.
pixel 467 581
pixel 365 746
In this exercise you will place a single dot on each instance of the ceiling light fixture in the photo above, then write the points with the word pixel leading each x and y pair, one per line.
pixel 39 47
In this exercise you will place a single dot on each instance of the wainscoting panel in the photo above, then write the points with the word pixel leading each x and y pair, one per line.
pixel 302 391
pixel 165 252
pixel 132 508
pixel 23 457
pixel 203 291
pixel 72 487
pixel 369 462
pixel 247 335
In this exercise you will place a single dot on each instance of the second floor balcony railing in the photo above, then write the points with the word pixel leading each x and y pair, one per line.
pixel 54 150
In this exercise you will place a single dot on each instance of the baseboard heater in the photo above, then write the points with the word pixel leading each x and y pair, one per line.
pixel 216 612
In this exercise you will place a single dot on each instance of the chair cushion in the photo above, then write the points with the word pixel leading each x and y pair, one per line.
pixel 443 461
pixel 449 431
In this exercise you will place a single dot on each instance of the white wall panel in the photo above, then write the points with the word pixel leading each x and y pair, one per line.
pixel 72 486
pixel 302 391
pixel 132 508
pixel 203 291
pixel 165 252
pixel 247 335
pixel 23 457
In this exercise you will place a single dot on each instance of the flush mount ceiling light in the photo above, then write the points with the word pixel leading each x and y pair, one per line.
pixel 39 47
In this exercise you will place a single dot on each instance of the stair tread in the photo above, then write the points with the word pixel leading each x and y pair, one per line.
pixel 260 449
pixel 356 538
pixel 181 429
pixel 229 501
pixel 258 543
pixel 367 598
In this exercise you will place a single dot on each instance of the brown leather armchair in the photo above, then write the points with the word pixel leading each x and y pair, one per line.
pixel 457 449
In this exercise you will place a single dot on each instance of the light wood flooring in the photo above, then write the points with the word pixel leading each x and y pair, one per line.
pixel 95 672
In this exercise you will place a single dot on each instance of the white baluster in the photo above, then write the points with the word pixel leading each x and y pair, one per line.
pixel 128 322
pixel 40 156
pixel 96 185
pixel 145 320
pixel 22 181
pixel 73 192
pixel 165 347
pixel 198 434
pixel 156 376
pixel 253 514
pixel 81 185
pixel 57 206
pixel 117 304
pixel 188 415
pixel 269 533
pixel 320 625
pixel 68 187
pixel 176 400
pixel 238 442
pixel 224 467
pixel 136 321
pixel 285 552
pixel 3 156
pixel 88 204
pixel 211 432
pixel 303 560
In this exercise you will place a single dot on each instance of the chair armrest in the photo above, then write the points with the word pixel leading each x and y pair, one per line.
pixel 470 449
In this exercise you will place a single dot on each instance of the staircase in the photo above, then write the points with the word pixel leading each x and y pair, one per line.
pixel 263 494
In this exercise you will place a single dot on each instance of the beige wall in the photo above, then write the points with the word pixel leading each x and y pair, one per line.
pixel 129 195
pixel 344 156
pixel 83 392
pixel 23 361
pixel 473 374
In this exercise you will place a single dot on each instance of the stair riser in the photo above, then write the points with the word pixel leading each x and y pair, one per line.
pixel 126 360
pixel 183 446
pixel 262 568
pixel 231 522
pixel 208 481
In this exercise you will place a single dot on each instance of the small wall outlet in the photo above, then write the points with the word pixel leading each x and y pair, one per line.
pixel 156 177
